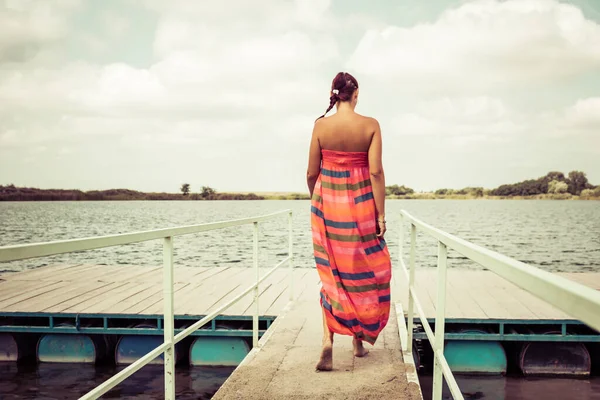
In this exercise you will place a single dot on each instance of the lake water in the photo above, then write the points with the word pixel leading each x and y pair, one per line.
pixel 517 388
pixel 552 235
pixel 69 381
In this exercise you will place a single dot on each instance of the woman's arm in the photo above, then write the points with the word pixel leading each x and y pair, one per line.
pixel 314 161
pixel 377 177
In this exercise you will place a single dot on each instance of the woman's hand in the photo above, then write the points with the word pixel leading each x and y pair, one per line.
pixel 381 228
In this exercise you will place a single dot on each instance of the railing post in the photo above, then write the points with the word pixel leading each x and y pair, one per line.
pixel 168 318
pixel 401 240
pixel 291 256
pixel 440 321
pixel 255 316
pixel 411 282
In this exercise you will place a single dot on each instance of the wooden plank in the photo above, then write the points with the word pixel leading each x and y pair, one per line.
pixel 246 305
pixel 32 271
pixel 53 272
pixel 105 273
pixel 399 288
pixel 202 275
pixel 197 297
pixel 426 288
pixel 427 293
pixel 424 285
pixel 117 296
pixel 539 308
pixel 43 288
pixel 487 299
pixel 238 284
pixel 157 307
pixel 192 274
pixel 152 303
pixel 306 283
pixel 517 309
pixel 277 289
pixel 136 273
pixel 130 305
pixel 201 286
pixel 73 305
pixel 66 274
pixel 461 286
pixel 72 291
pixel 91 290
pixel 112 291
pixel 135 289
pixel 9 289
pixel 504 305
pixel 141 301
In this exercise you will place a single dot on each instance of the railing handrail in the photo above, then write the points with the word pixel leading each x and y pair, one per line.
pixel 43 249
pixel 575 299
pixel 141 362
pixel 20 252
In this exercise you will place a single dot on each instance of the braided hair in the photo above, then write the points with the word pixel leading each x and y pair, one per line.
pixel 343 87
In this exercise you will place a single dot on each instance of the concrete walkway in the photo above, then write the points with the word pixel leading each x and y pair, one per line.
pixel 284 367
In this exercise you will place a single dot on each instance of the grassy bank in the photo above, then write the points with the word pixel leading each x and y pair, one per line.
pixel 13 193
pixel 434 196
pixel 552 186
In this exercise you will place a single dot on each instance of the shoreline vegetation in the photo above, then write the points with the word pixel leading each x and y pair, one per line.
pixel 552 186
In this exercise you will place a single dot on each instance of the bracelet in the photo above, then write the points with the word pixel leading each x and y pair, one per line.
pixel 381 220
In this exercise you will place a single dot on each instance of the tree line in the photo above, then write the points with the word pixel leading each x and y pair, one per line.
pixel 14 193
pixel 575 183
pixel 208 193
pixel 553 183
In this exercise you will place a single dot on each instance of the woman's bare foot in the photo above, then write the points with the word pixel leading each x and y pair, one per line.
pixel 326 361
pixel 359 350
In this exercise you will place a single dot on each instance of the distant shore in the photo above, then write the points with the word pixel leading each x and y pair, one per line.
pixel 13 193
pixel 433 196
pixel 271 196
pixel 553 186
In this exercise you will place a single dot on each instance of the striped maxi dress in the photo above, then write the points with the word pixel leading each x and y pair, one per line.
pixel 353 264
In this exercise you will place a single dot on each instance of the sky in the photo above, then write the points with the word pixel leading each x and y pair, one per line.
pixel 149 94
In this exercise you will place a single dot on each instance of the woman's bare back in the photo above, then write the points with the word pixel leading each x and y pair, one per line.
pixel 346 132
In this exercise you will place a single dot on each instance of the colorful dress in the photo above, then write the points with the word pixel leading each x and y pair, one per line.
pixel 354 265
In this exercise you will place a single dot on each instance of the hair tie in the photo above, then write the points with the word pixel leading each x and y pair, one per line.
pixel 335 91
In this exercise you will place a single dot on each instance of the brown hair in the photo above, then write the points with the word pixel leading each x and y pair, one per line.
pixel 346 85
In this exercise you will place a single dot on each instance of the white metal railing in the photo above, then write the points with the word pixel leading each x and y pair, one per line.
pixel 575 299
pixel 20 252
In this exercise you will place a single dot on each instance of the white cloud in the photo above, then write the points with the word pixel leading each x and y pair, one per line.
pixel 225 88
pixel 462 121
pixel 585 114
pixel 477 109
pixel 483 45
pixel 114 24
pixel 28 26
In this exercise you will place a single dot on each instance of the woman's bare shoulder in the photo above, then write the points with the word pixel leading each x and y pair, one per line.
pixel 321 124
pixel 369 122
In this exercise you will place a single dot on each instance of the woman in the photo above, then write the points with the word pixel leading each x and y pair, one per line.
pixel 347 187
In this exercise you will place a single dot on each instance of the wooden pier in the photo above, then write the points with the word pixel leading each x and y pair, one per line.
pixel 493 309
pixel 478 314
pixel 482 295
pixel 137 291
pixel 283 365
